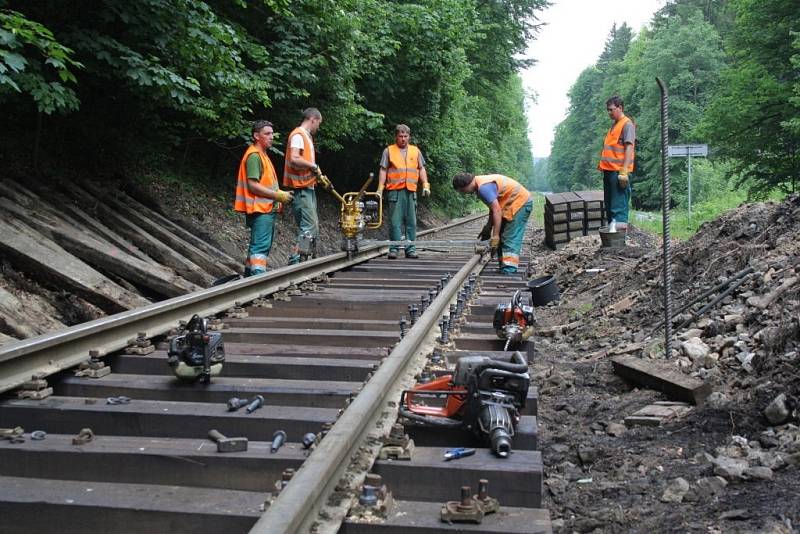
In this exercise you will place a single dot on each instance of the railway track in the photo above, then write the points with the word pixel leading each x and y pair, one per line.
pixel 321 342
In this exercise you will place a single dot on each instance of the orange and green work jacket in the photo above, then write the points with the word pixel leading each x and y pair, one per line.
pixel 510 194
pixel 403 172
pixel 247 202
pixel 294 177
pixel 613 154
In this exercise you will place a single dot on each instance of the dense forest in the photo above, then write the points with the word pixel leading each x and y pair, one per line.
pixel 120 89
pixel 733 72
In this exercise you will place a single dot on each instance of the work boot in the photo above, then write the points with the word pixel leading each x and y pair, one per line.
pixel 412 255
pixel 392 255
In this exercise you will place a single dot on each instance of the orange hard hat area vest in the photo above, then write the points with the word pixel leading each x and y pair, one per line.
pixel 403 172
pixel 294 177
pixel 510 194
pixel 613 154
pixel 247 202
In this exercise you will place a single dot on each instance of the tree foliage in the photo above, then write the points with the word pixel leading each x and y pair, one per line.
pixel 150 84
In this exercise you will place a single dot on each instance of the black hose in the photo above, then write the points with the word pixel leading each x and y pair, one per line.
pixel 666 196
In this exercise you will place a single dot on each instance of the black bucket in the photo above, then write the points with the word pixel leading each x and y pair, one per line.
pixel 544 290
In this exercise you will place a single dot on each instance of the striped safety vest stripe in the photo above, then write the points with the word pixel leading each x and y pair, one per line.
pixel 403 172
pixel 247 202
pixel 613 154
pixel 510 194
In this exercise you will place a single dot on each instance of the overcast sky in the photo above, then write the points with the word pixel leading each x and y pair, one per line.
pixel 572 40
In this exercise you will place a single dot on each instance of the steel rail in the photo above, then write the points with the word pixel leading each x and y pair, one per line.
pixel 296 507
pixel 53 352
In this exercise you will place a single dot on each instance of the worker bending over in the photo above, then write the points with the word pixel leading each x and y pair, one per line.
pixel 510 206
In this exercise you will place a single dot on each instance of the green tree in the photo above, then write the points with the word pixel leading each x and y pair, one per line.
pixel 753 117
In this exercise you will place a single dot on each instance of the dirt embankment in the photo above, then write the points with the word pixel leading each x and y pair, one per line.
pixel 730 465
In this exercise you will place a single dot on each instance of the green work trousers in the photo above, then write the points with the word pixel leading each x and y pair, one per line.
pixel 262 232
pixel 616 198
pixel 511 234
pixel 402 216
pixel 304 208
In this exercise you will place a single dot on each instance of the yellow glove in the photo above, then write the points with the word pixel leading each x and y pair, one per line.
pixel 494 244
pixel 380 190
pixel 426 189
pixel 622 179
pixel 284 196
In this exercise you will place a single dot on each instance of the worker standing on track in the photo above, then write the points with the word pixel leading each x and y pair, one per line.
pixel 402 167
pixel 510 206
pixel 616 162
pixel 257 195
pixel 300 173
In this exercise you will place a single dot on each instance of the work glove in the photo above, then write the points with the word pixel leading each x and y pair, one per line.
pixel 426 189
pixel 284 196
pixel 323 181
pixel 622 179
pixel 494 244
pixel 380 191
pixel 485 232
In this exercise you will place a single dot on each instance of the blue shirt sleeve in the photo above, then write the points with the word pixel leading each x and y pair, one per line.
pixel 488 193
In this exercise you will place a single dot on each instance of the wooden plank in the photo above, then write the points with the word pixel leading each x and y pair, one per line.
pixel 515 480
pixel 151 460
pixel 198 242
pixel 44 256
pixel 98 253
pixel 159 418
pixel 416 517
pixel 77 507
pixel 153 246
pixel 143 218
pixel 662 376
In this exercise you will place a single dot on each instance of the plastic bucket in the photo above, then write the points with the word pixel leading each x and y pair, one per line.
pixel 612 239
pixel 544 290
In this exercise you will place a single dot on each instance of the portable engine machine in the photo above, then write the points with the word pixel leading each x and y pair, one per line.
pixel 483 395
pixel 198 354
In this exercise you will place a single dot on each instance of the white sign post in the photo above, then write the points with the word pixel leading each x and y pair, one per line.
pixel 687 151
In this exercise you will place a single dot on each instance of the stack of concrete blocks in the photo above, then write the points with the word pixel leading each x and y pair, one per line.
pixel 563 218
pixel 593 211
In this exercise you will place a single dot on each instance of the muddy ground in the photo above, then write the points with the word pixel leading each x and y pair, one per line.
pixel 723 467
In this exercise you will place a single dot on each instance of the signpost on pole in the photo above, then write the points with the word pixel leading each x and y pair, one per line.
pixel 687 151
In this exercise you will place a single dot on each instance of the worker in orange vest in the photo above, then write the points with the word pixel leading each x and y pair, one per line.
pixel 510 207
pixel 616 162
pixel 402 168
pixel 258 196
pixel 300 174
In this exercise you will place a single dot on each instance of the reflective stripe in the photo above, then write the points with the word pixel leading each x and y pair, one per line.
pixel 403 171
pixel 510 259
pixel 613 154
pixel 510 194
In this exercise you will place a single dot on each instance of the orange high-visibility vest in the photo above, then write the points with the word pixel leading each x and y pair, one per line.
pixel 510 194
pixel 613 154
pixel 403 172
pixel 292 176
pixel 247 202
